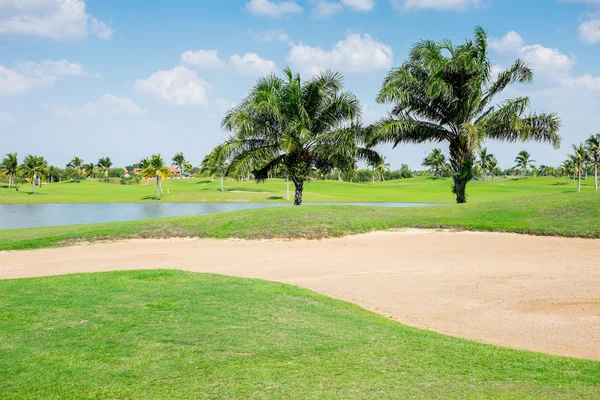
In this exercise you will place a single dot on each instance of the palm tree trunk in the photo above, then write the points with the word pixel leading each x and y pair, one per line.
pixel 287 188
pixel 595 176
pixel 16 182
pixel 158 188
pixel 339 176
pixel 373 177
pixel 579 181
pixel 299 184
pixel 33 184
pixel 221 182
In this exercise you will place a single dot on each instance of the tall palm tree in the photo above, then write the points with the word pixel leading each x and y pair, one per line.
pixel 492 166
pixel 216 162
pixel 10 167
pixel 444 93
pixel 295 126
pixel 523 161
pixel 104 165
pixel 485 159
pixel 593 147
pixel 578 158
pixel 436 161
pixel 157 168
pixel 76 164
pixel 179 160
pixel 90 170
pixel 33 168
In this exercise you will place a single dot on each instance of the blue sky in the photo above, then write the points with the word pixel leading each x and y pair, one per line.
pixel 127 79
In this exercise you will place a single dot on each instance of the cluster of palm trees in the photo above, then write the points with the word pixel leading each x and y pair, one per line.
pixel 33 169
pixel 584 156
pixel 442 93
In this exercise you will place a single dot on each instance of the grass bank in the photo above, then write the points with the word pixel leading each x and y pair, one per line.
pixel 171 334
pixel 566 214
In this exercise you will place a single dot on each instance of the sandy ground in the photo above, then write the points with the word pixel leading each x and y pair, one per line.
pixel 525 292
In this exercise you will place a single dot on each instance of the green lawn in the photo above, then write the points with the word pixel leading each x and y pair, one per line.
pixel 562 214
pixel 203 190
pixel 172 334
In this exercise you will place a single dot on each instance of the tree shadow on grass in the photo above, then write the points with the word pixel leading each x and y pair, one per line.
pixel 275 198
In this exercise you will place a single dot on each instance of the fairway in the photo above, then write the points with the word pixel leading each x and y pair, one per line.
pixel 170 334
pixel 414 190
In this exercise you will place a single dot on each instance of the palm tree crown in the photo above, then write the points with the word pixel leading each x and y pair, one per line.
pixel 76 164
pixel 179 160
pixel 593 147
pixel 579 158
pixel 523 161
pixel 294 126
pixel 10 167
pixel 156 168
pixel 33 168
pixel 104 165
pixel 445 93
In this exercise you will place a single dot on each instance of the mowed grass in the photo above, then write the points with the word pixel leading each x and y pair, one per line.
pixel 171 334
pixel 426 190
pixel 562 214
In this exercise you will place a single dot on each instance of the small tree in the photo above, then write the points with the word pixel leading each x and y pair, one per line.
pixel 523 162
pixel 33 168
pixel 104 165
pixel 593 147
pixel 578 158
pixel 76 164
pixel 157 168
pixel 179 161
pixel 485 160
pixel 10 167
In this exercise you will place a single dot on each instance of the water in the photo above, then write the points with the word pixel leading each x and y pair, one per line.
pixel 14 216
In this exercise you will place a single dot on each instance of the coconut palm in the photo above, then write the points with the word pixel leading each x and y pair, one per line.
pixel 436 161
pixel 567 168
pixel 33 168
pixel 157 168
pixel 179 160
pixel 593 147
pixel 295 126
pixel 90 170
pixel 143 164
pixel 485 159
pixel 492 166
pixel 215 162
pixel 10 167
pixel 382 167
pixel 104 165
pixel 444 93
pixel 523 161
pixel 76 164
pixel 579 159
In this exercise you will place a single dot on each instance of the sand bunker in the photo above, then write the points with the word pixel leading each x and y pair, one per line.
pixel 525 292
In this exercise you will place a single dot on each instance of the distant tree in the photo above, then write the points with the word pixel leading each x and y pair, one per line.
pixel 523 162
pixel 33 168
pixel 90 170
pixel 436 161
pixel 593 147
pixel 76 164
pixel 104 165
pixel 157 168
pixel 492 166
pixel 578 158
pixel 179 161
pixel 216 163
pixel 143 164
pixel 485 159
pixel 10 167
pixel 382 167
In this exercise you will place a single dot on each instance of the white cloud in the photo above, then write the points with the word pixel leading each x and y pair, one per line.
pixel 251 64
pixel 359 5
pixel 107 105
pixel 542 59
pixel 324 9
pixel 55 19
pixel 440 5
pixel 589 30
pixel 179 86
pixel 26 75
pixel 272 35
pixel 202 58
pixel 586 81
pixel 273 8
pixel 356 53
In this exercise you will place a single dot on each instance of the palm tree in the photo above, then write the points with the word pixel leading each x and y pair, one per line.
pixel 76 164
pixel 567 168
pixel 492 166
pixel 523 161
pixel 593 147
pixel 485 159
pixel 104 165
pixel 179 161
pixel 216 162
pixel 90 170
pixel 382 167
pixel 157 168
pixel 295 126
pixel 443 93
pixel 436 161
pixel 578 158
pixel 143 164
pixel 33 168
pixel 10 167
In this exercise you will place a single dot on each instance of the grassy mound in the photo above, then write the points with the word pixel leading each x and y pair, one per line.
pixel 564 214
pixel 170 334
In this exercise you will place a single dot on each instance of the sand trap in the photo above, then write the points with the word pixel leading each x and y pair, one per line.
pixel 525 292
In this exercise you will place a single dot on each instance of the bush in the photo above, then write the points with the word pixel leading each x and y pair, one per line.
pixel 132 180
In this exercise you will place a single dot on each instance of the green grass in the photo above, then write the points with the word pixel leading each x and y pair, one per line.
pixel 171 334
pixel 203 190
pixel 563 214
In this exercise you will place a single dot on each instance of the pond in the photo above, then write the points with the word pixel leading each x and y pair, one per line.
pixel 14 216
